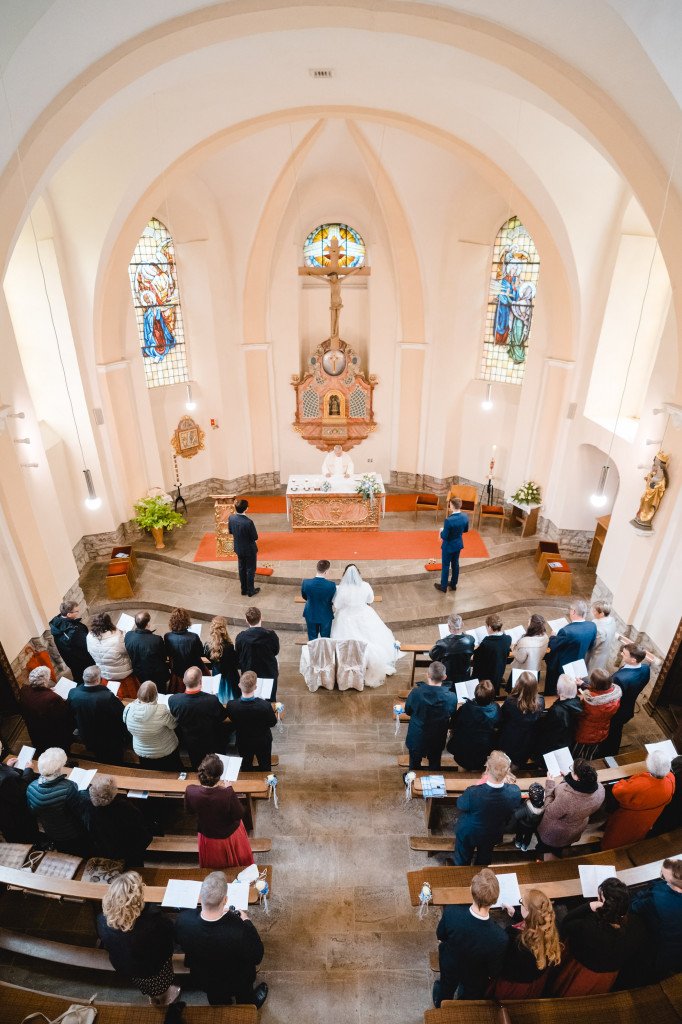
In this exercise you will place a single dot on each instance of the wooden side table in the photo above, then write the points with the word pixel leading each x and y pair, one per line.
pixel 560 577
pixel 525 516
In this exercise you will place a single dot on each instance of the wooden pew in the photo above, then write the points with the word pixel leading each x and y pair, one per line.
pixel 64 953
pixel 188 845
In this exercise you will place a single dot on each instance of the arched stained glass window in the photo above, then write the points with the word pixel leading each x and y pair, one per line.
pixel 511 299
pixel 351 246
pixel 154 283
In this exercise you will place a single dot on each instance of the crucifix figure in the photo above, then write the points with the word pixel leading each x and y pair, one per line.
pixel 335 274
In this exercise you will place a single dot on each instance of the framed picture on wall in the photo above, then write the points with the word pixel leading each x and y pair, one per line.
pixel 188 438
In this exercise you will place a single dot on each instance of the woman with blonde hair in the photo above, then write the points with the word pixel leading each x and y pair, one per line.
pixel 138 938
pixel 224 661
pixel 521 713
pixel 534 948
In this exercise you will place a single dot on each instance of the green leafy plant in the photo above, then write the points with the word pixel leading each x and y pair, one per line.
pixel 153 513
pixel 527 494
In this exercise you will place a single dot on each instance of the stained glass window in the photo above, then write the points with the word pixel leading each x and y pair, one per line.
pixel 351 246
pixel 154 283
pixel 511 299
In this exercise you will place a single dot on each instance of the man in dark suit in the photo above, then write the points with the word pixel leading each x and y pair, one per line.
pixel 99 718
pixel 199 716
pixel 147 652
pixel 253 718
pixel 455 651
pixel 257 649
pixel 430 707
pixel 571 643
pixel 632 677
pixel 318 593
pixel 490 657
pixel 245 546
pixel 451 544
pixel 483 811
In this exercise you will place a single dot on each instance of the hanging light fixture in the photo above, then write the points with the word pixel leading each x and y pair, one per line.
pixel 92 501
pixel 190 404
pixel 487 402
pixel 599 499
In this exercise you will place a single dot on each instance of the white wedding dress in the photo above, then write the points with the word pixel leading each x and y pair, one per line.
pixel 354 619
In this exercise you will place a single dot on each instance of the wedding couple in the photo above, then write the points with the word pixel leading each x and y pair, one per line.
pixel 344 613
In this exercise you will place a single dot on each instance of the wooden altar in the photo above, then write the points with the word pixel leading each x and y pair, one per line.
pixel 223 509
pixel 341 508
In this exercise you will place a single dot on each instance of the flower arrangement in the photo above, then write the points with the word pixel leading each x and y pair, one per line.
pixel 326 486
pixel 527 494
pixel 368 486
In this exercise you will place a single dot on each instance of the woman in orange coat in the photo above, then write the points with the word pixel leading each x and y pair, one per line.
pixel 642 798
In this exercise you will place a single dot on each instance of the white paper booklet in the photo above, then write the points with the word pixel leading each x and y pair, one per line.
pixel 465 690
pixel 125 622
pixel 443 630
pixel 64 687
pixel 516 632
pixel 231 766
pixel 559 761
pixel 25 755
pixel 577 669
pixel 162 698
pixel 82 776
pixel 196 628
pixel 479 633
pixel 264 688
pixel 516 672
pixel 667 746
pixel 139 794
pixel 114 686
pixel 592 876
pixel 181 892
pixel 557 624
pixel 210 684
pixel 237 895
pixel 510 894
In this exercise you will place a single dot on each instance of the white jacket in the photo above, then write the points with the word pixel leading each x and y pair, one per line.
pixel 109 654
pixel 152 727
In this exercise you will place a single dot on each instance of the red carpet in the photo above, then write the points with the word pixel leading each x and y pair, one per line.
pixel 332 544
pixel 268 503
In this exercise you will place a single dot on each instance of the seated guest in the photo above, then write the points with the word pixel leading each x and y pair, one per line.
pixel 631 677
pixel 152 727
pixel 222 947
pixel 557 726
pixel 520 719
pixel 471 945
pixel 138 938
pixel 598 654
pixel 533 949
pixel 253 718
pixel 224 661
pixel 568 807
pixel 483 811
pixel 641 798
pixel 430 708
pixel 70 636
pixel 223 842
pixel 571 643
pixel 147 653
pixel 199 716
pixel 116 826
pixel 490 657
pixel 670 817
pixel 455 652
pixel 17 824
pixel 473 726
pixel 185 649
pixel 529 650
pixel 49 719
pixel 659 906
pixel 58 805
pixel 106 645
pixel 99 718
pixel 600 703
pixel 602 938
pixel 257 649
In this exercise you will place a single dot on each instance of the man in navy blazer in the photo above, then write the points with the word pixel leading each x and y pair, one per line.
pixel 318 593
pixel 245 547
pixel 451 544
pixel 632 677
pixel 571 643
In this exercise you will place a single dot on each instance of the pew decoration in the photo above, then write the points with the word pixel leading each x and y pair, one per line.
pixel 397 711
pixel 409 779
pixel 279 708
pixel 272 786
pixel 425 897
pixel 262 888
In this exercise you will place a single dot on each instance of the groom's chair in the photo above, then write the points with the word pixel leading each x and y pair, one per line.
pixel 351 664
pixel 318 663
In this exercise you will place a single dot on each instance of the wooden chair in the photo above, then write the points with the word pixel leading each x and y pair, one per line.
pixel 546 549
pixel 492 512
pixel 427 503
pixel 469 496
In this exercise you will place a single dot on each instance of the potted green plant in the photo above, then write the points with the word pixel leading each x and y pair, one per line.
pixel 155 514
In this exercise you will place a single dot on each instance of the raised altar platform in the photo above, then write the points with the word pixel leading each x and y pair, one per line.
pixel 310 507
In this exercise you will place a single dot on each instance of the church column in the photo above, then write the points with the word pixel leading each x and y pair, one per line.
pixel 550 408
pixel 260 395
pixel 131 456
pixel 409 413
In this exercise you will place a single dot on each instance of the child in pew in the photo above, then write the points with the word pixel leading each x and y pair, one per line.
pixel 528 816
pixel 253 718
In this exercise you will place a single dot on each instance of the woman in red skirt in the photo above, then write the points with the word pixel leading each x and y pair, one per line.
pixel 533 949
pixel 223 842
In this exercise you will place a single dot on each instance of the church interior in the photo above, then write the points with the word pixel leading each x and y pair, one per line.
pixel 506 183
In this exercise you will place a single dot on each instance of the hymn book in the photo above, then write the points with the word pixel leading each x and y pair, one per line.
pixel 125 622
pixel 666 746
pixel 82 776
pixel 516 672
pixel 181 892
pixel 592 876
pixel 559 761
pixel 576 669
pixel 25 755
pixel 466 690
pixel 510 894
pixel 264 688
pixel 231 766
pixel 64 687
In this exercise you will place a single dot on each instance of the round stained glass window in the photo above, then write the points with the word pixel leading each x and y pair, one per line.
pixel 351 246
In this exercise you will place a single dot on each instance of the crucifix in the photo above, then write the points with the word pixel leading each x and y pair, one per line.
pixel 334 274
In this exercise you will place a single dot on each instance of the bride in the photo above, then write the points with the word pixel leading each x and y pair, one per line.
pixel 355 620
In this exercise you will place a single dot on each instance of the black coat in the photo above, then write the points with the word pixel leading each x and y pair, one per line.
pixel 473 734
pixel 149 657
pixel 519 729
pixel 99 717
pixel 49 718
pixel 118 831
pixel 69 637
pixel 245 535
pixel 257 650
pixel 430 709
pixel 253 719
pixel 471 952
pixel 221 955
pixel 455 652
pixel 142 952
pixel 200 717
pixel 17 824
pixel 557 727
pixel 490 658
pixel 185 650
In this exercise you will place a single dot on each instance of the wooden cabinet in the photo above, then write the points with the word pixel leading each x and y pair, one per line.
pixel 598 540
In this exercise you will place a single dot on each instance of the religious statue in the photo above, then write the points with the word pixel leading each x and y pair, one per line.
pixel 334 274
pixel 656 484
pixel 334 406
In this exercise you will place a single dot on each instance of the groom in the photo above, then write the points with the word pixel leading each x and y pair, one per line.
pixel 451 544
pixel 318 593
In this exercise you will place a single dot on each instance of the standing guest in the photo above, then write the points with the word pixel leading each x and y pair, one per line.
pixel 451 543
pixel 568 807
pixel 319 594
pixel 471 946
pixel 600 703
pixel 602 939
pixel 138 938
pixel 116 826
pixel 222 947
pixel 533 949
pixel 199 716
pixel 641 798
pixel 106 645
pixel 483 811
pixel 152 727
pixel 17 824
pixel 245 547
pixel 530 649
pixel 430 708
pixel 670 817
pixel 660 907
pixel 455 652
pixel 223 842
pixel 598 655
pixel 253 718
pixel 70 635
pixel 571 643
pixel 558 725
pixel 224 661
pixel 257 649
pixel 48 717
pixel 473 727
pixel 57 804
pixel 632 677
pixel 529 815
pixel 147 653
pixel 490 657
pixel 521 713
pixel 99 717
pixel 184 647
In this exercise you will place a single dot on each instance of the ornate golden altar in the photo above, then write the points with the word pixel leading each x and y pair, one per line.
pixel 311 508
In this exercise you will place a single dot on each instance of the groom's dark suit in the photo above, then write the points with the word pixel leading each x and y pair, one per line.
pixel 245 548
pixel 318 612
pixel 451 545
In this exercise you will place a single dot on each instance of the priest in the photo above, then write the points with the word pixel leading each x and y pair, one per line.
pixel 337 463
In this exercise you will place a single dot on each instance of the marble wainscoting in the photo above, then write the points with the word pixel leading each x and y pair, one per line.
pixel 572 542
pixel 441 485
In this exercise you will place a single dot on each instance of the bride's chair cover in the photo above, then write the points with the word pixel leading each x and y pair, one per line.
pixel 318 664
pixel 351 664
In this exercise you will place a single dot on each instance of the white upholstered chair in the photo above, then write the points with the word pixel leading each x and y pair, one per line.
pixel 351 663
pixel 318 663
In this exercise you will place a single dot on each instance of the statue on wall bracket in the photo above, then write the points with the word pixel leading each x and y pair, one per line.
pixel 656 484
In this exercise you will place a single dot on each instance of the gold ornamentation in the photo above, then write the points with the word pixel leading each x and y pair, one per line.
pixel 223 509
pixel 188 438
pixel 656 484
pixel 348 512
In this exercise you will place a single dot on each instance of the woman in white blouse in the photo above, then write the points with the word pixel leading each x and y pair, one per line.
pixel 530 649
